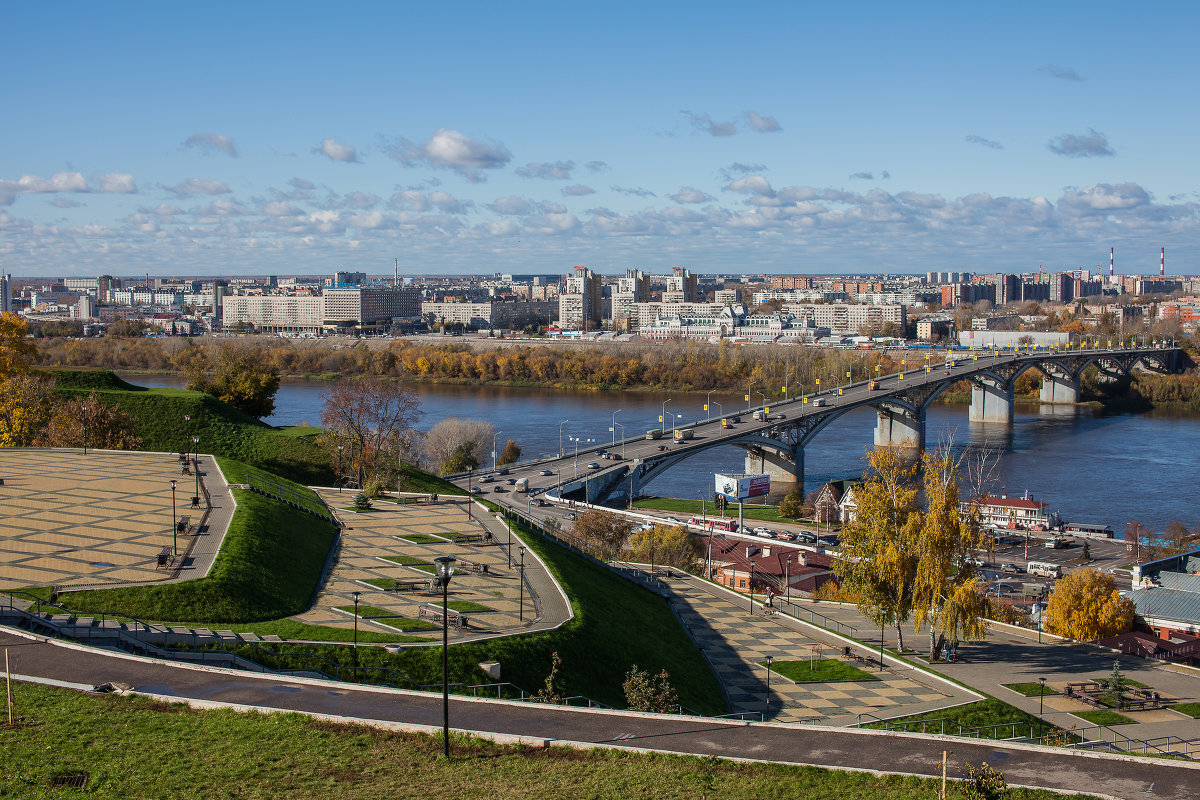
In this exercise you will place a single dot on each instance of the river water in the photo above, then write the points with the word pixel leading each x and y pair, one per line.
pixel 1088 467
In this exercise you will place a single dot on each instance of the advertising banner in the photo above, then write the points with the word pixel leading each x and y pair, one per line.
pixel 740 487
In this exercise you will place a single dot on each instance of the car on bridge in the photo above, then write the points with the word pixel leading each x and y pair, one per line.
pixel 593 465
pixel 547 472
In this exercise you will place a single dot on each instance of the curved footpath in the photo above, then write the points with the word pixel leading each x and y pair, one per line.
pixel 76 666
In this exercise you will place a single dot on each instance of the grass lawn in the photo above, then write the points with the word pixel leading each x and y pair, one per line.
pixel 692 507
pixel 1103 717
pixel 466 605
pixel 367 612
pixel 420 538
pixel 1031 689
pixel 405 561
pixel 824 670
pixel 979 714
pixel 133 747
pixel 1191 709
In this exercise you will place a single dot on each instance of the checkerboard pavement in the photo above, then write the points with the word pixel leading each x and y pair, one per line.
pixel 72 519
pixel 735 643
pixel 373 542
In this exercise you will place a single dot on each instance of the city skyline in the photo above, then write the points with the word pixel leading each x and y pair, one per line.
pixel 787 139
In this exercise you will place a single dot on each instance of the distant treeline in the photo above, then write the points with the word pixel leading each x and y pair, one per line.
pixel 681 365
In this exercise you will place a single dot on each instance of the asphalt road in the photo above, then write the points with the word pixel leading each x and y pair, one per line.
pixel 1028 765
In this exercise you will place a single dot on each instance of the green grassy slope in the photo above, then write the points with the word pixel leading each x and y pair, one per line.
pixel 268 567
pixel 223 430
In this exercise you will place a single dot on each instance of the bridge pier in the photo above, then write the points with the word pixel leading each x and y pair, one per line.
pixel 901 428
pixel 781 467
pixel 991 403
pixel 1059 388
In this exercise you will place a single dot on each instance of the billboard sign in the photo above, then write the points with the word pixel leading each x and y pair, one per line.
pixel 741 487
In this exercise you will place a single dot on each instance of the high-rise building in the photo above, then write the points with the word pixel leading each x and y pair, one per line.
pixel 5 293
pixel 682 285
pixel 579 306
pixel 1008 288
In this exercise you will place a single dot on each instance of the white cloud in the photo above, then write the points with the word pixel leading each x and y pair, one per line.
pixel 1062 73
pixel 409 200
pixel 578 190
pixel 115 182
pixel 1092 144
pixel 689 195
pixel 195 186
pixel 510 205
pixel 763 124
pixel 752 184
pixel 448 149
pixel 65 182
pixel 447 203
pixel 705 122
pixel 212 142
pixel 633 191
pixel 558 171
pixel 596 166
pixel 337 151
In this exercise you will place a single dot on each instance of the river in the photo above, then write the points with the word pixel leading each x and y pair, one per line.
pixel 1089 467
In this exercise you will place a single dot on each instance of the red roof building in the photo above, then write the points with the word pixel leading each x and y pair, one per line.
pixel 775 567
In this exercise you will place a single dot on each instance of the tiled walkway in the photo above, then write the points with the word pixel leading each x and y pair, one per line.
pixel 736 643
pixel 374 543
pixel 101 518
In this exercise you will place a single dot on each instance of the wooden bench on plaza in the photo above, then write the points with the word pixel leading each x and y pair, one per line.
pixel 473 566
pixel 411 584
pixel 165 558
pixel 469 538
pixel 184 525
pixel 434 611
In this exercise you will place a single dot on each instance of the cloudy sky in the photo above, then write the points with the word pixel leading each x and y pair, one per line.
pixel 224 138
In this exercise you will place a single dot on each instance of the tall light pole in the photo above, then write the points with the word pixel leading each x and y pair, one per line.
pixel 720 409
pixel 748 388
pixel 196 467
pixel 614 427
pixel 663 417
pixel 187 429
pixel 767 699
pixel 707 410
pixel 1041 695
pixel 560 429
pixel 494 435
pixel 355 651
pixel 786 378
pixel 750 586
pixel 521 584
pixel 622 427
pixel 174 524
pixel 787 578
pixel 445 570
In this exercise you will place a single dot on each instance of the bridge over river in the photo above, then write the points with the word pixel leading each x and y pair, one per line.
pixel 774 435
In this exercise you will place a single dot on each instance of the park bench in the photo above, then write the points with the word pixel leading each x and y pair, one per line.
pixel 184 525
pixel 434 612
pixel 187 470
pixel 411 584
pixel 468 538
pixel 473 566
pixel 165 558
pixel 183 458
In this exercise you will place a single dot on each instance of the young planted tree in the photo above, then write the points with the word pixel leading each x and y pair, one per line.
pixel 25 402
pixel 654 694
pixel 451 437
pixel 511 453
pixel 947 598
pixel 17 347
pixel 603 530
pixel 1087 605
pixel 669 545
pixel 880 550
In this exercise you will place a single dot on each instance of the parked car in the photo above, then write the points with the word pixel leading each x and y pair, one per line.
pixel 1009 568
pixel 1002 588
pixel 975 562
pixel 787 536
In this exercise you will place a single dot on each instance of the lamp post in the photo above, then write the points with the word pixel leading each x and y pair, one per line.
pixel 750 586
pixel 786 378
pixel 355 651
pixel 521 584
pixel 445 570
pixel 614 428
pixel 720 409
pixel 663 417
pixel 174 524
pixel 196 467
pixel 707 410
pixel 494 435
pixel 767 699
pixel 1041 695
pixel 187 429
pixel 748 388
pixel 622 427
pixel 560 427
pixel 787 578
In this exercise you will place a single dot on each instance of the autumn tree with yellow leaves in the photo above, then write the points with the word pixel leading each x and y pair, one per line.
pixel 1086 605
pixel 24 395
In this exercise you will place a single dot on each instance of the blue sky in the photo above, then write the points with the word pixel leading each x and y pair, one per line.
pixel 479 137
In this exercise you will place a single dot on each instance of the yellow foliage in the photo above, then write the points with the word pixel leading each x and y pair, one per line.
pixel 17 348
pixel 1086 605
pixel 24 408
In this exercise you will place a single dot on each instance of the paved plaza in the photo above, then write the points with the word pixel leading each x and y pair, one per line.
pixel 736 643
pixel 399 542
pixel 70 519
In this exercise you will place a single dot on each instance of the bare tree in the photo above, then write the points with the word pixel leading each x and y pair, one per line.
pixel 451 433
pixel 979 467
pixel 369 427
